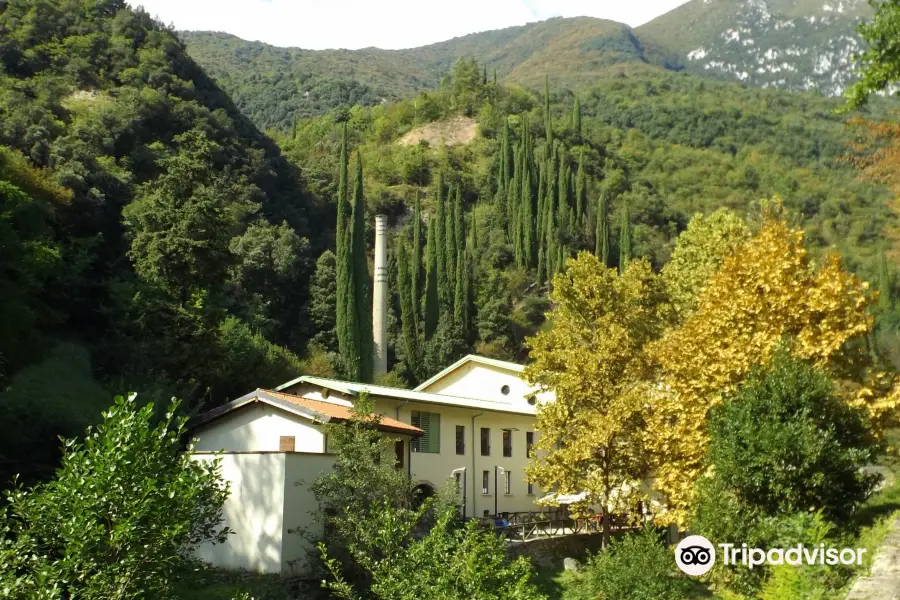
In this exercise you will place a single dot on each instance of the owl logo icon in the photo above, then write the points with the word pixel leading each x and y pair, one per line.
pixel 695 555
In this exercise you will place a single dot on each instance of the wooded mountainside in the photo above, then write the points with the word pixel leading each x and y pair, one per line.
pixel 159 242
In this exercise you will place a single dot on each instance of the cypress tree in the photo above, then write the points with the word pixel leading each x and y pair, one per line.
pixel 460 224
pixel 460 305
pixel 440 245
pixel 451 250
pixel 576 119
pixel 415 262
pixel 601 248
pixel 294 128
pixel 884 283
pixel 495 76
pixel 345 302
pixel 484 76
pixel 405 267
pixel 579 192
pixel 548 120
pixel 625 243
pixel 432 301
pixel 361 285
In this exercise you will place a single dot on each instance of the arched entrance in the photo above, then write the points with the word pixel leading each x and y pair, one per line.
pixel 421 493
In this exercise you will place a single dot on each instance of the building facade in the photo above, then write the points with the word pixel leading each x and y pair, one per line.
pixel 471 428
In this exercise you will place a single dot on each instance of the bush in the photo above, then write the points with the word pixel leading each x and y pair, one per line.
pixel 786 443
pixel 450 562
pixel 121 518
pixel 636 567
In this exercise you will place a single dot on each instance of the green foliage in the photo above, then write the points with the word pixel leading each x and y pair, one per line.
pixel 322 304
pixel 880 62
pixel 449 562
pixel 155 207
pixel 31 257
pixel 635 567
pixel 698 254
pixel 121 517
pixel 30 430
pixel 363 481
pixel 786 443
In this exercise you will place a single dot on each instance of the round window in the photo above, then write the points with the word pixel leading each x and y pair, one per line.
pixel 505 390
pixel 532 400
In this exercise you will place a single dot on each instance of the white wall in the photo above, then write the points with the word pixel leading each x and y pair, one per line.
pixel 485 382
pixel 254 510
pixel 299 503
pixel 257 427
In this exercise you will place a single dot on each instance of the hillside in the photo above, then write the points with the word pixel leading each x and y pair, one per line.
pixel 798 45
pixel 147 226
pixel 665 145
pixel 273 86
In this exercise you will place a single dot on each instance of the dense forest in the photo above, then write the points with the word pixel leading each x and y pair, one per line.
pixel 155 239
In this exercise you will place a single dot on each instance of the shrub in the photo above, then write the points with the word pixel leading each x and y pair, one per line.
pixel 786 443
pixel 120 519
pixel 450 562
pixel 636 567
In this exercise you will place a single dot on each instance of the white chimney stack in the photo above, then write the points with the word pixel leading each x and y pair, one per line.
pixel 379 296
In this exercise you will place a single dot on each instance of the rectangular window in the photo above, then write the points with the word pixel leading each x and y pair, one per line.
pixel 485 441
pixel 529 443
pixel 530 489
pixel 507 482
pixel 430 423
pixel 507 443
pixel 485 482
pixel 286 443
pixel 460 439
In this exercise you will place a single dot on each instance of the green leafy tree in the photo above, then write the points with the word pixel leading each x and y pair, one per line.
pixel 786 443
pixel 183 221
pixel 699 252
pixel 269 257
pixel 880 63
pixel 322 301
pixel 363 481
pixel 121 517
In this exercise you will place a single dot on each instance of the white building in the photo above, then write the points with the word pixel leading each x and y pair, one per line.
pixel 474 421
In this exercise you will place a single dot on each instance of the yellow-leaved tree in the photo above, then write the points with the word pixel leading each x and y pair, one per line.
pixel 593 357
pixel 767 290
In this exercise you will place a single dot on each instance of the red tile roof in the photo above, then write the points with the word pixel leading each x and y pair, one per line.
pixel 339 412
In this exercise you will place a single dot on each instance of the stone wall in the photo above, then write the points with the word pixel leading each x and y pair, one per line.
pixel 550 552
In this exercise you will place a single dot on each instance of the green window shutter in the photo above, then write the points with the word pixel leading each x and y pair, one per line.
pixel 434 435
pixel 430 423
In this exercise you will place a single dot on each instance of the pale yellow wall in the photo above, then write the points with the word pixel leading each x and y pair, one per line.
pixel 477 380
pixel 298 505
pixel 254 510
pixel 436 469
pixel 257 428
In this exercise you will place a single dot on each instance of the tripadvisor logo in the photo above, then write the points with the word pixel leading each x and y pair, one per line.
pixel 696 555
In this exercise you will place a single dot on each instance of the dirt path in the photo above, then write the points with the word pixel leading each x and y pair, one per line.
pixel 883 583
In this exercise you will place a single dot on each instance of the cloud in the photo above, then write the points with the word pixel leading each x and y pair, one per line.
pixel 318 24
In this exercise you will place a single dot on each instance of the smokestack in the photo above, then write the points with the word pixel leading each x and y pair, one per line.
pixel 379 297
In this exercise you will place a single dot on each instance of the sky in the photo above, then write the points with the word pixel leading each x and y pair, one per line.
pixel 389 24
